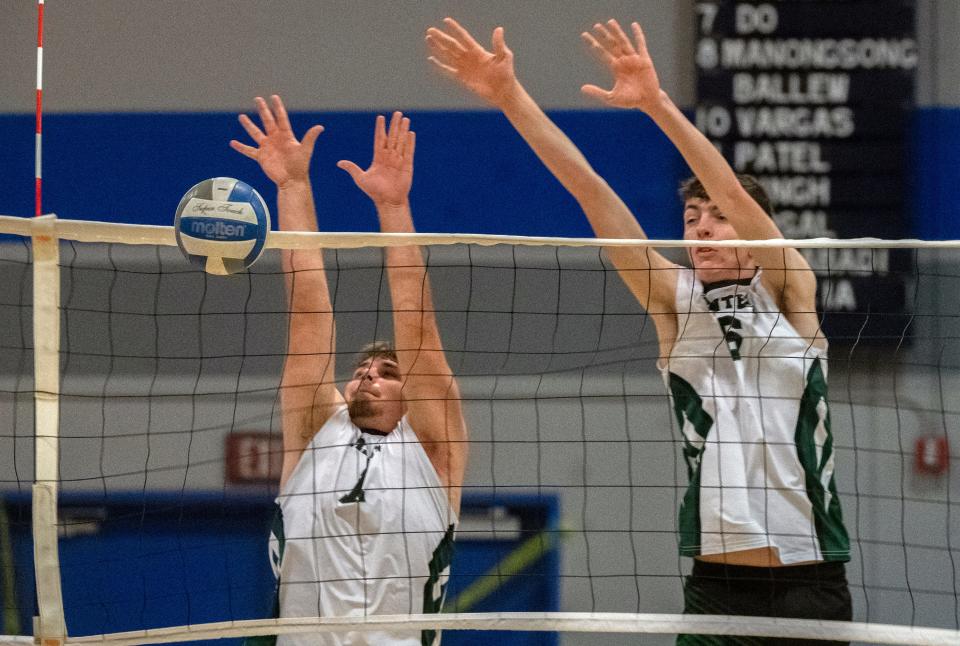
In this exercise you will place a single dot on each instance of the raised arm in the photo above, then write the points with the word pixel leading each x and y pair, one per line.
pixel 430 390
pixel 308 394
pixel 636 85
pixel 490 75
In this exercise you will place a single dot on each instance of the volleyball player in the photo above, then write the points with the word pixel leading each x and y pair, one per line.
pixel 741 349
pixel 371 480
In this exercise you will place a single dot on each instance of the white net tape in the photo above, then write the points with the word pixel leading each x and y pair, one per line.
pixel 552 622
pixel 105 232
pixel 14 640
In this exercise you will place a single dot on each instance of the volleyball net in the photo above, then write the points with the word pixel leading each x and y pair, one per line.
pixel 142 420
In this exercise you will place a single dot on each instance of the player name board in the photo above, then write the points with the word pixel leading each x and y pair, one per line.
pixel 813 97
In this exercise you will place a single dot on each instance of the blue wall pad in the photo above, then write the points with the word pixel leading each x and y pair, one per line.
pixel 473 173
pixel 936 173
pixel 134 561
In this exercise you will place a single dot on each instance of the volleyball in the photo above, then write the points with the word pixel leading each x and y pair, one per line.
pixel 222 225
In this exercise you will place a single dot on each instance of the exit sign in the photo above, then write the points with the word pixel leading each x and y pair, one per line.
pixel 253 457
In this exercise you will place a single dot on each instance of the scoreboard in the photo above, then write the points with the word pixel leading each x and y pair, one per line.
pixel 814 98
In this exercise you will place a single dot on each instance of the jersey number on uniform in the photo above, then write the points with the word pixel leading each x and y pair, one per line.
pixel 729 326
pixel 356 494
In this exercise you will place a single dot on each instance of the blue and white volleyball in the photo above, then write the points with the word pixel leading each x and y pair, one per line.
pixel 222 225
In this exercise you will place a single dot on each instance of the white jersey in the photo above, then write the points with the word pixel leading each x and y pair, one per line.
pixel 367 530
pixel 750 395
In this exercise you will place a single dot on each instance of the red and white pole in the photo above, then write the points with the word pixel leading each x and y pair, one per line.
pixel 38 147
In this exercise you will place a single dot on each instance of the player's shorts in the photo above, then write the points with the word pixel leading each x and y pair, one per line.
pixel 815 591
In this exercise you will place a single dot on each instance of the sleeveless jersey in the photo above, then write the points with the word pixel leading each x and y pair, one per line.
pixel 750 397
pixel 367 529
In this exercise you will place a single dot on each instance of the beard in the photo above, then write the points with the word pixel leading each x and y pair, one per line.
pixel 360 408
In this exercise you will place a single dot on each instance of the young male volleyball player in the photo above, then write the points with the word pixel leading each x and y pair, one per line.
pixel 741 349
pixel 371 480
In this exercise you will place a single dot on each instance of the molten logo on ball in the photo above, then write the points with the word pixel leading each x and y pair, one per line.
pixel 217 229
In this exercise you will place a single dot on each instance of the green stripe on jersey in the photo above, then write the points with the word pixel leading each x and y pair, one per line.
pixel 695 423
pixel 276 529
pixel 434 594
pixel 814 441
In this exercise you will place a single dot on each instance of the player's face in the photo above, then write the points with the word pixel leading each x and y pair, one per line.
pixel 373 394
pixel 702 220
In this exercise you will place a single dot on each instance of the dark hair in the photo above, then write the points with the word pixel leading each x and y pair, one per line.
pixel 376 350
pixel 692 188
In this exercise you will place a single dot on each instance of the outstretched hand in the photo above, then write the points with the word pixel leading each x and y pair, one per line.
pixel 457 54
pixel 387 182
pixel 635 82
pixel 282 158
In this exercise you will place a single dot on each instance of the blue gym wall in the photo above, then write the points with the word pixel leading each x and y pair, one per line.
pixel 139 561
pixel 934 167
pixel 473 172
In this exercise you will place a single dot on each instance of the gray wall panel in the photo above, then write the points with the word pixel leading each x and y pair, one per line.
pixel 141 55
pixel 938 22
pixel 106 55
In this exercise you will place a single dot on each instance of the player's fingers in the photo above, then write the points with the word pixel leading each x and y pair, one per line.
pixel 500 48
pixel 402 137
pixel 408 150
pixel 266 116
pixel 620 37
pixel 255 133
pixel 283 121
pixel 352 169
pixel 243 149
pixel 379 135
pixel 597 49
pixel 596 92
pixel 393 133
pixel 639 37
pixel 310 137
pixel 443 67
pixel 438 53
pixel 605 39
pixel 462 35
pixel 444 41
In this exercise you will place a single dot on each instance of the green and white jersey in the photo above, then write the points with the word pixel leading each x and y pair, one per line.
pixel 750 397
pixel 367 530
